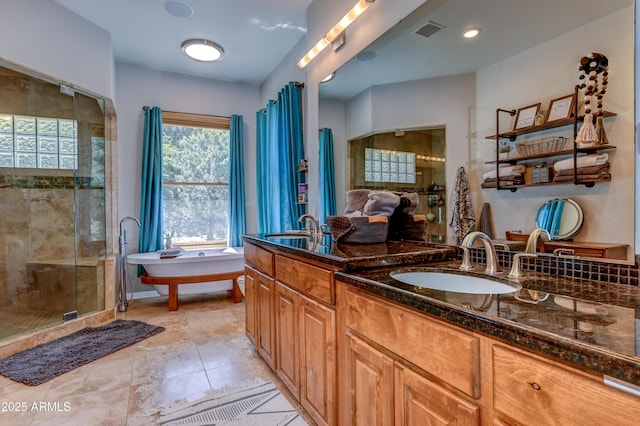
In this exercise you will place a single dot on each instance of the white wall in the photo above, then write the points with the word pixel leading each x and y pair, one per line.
pixel 137 87
pixel 549 71
pixel 49 39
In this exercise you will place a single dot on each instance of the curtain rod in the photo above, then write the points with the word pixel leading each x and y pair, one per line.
pixel 144 108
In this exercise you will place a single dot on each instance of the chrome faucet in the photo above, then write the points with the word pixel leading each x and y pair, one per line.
pixel 314 231
pixel 516 270
pixel 532 241
pixel 492 258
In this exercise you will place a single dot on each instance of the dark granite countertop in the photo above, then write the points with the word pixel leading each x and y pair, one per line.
pixel 357 256
pixel 591 324
pixel 588 323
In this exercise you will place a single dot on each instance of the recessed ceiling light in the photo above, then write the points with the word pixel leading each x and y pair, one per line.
pixel 178 8
pixel 328 78
pixel 471 32
pixel 202 50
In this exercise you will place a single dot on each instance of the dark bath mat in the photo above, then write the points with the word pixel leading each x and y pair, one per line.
pixel 48 360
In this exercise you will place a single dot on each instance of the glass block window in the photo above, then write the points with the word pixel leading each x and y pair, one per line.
pixel 37 142
pixel 389 166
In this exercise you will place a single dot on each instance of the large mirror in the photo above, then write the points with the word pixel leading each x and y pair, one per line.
pixel 423 74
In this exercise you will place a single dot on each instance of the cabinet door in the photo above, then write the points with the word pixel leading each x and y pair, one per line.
pixel 287 340
pixel 266 318
pixel 318 361
pixel 367 391
pixel 250 291
pixel 533 391
pixel 419 401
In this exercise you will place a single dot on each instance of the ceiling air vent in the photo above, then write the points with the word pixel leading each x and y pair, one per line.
pixel 429 29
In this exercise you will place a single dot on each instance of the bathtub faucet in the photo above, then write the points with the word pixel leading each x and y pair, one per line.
pixel 123 233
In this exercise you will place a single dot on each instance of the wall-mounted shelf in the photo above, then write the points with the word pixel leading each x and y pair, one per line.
pixel 573 152
pixel 512 135
pixel 566 152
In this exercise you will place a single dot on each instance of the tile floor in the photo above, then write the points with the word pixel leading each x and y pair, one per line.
pixel 203 347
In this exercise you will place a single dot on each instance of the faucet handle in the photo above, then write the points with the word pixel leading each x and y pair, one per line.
pixel 466 260
pixel 516 272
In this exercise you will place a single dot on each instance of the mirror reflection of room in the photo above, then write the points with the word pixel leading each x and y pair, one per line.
pixel 409 161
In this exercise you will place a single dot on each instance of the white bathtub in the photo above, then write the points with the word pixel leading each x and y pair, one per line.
pixel 194 262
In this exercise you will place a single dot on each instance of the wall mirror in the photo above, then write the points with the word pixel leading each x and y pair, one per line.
pixel 422 73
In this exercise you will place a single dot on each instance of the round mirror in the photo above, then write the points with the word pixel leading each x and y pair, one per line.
pixel 561 217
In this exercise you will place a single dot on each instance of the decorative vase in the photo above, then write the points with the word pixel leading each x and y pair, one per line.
pixel 503 155
pixel 168 243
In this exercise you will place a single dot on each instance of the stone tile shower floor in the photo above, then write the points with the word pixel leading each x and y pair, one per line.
pixel 203 347
pixel 16 322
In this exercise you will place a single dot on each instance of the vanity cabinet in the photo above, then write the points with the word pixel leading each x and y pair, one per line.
pixel 400 367
pixel 291 317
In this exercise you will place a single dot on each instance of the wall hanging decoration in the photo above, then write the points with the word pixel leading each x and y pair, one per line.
pixel 594 78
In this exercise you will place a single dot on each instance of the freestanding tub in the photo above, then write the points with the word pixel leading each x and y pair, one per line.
pixel 204 270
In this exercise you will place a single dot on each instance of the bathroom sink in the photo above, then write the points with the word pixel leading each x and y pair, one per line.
pixel 454 282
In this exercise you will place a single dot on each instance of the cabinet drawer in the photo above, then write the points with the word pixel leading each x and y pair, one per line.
pixel 307 279
pixel 259 258
pixel 532 390
pixel 447 353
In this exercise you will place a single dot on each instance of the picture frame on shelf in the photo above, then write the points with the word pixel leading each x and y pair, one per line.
pixel 561 108
pixel 526 116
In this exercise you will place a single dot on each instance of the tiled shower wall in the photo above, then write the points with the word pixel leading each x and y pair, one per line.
pixel 38 245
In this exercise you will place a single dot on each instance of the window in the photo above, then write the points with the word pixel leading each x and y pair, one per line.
pixel 195 173
pixel 37 142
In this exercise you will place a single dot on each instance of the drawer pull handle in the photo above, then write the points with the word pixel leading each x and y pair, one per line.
pixel 535 386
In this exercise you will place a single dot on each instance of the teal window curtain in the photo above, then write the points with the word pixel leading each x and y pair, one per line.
pixel 237 213
pixel 326 176
pixel 151 232
pixel 280 148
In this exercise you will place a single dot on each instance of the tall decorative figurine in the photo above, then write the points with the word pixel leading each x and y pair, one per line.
pixel 592 66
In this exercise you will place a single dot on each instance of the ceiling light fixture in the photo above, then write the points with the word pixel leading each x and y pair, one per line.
pixel 178 8
pixel 328 78
pixel 471 32
pixel 334 32
pixel 202 50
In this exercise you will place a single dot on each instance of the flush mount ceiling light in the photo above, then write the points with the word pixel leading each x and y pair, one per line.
pixel 334 32
pixel 471 32
pixel 179 9
pixel 202 50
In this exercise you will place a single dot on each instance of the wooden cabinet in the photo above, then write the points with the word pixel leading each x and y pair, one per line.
pixel 420 401
pixel 288 338
pixel 291 318
pixel 265 318
pixel 250 304
pixel 318 361
pixel 531 390
pixel 383 348
pixel 367 385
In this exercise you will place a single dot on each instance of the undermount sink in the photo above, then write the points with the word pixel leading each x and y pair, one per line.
pixel 454 282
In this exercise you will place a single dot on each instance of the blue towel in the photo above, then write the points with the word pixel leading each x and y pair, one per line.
pixel 557 218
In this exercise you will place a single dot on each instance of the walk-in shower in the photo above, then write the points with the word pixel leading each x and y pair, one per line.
pixel 53 222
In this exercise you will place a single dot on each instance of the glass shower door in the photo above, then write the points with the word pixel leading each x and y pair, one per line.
pixel 52 215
